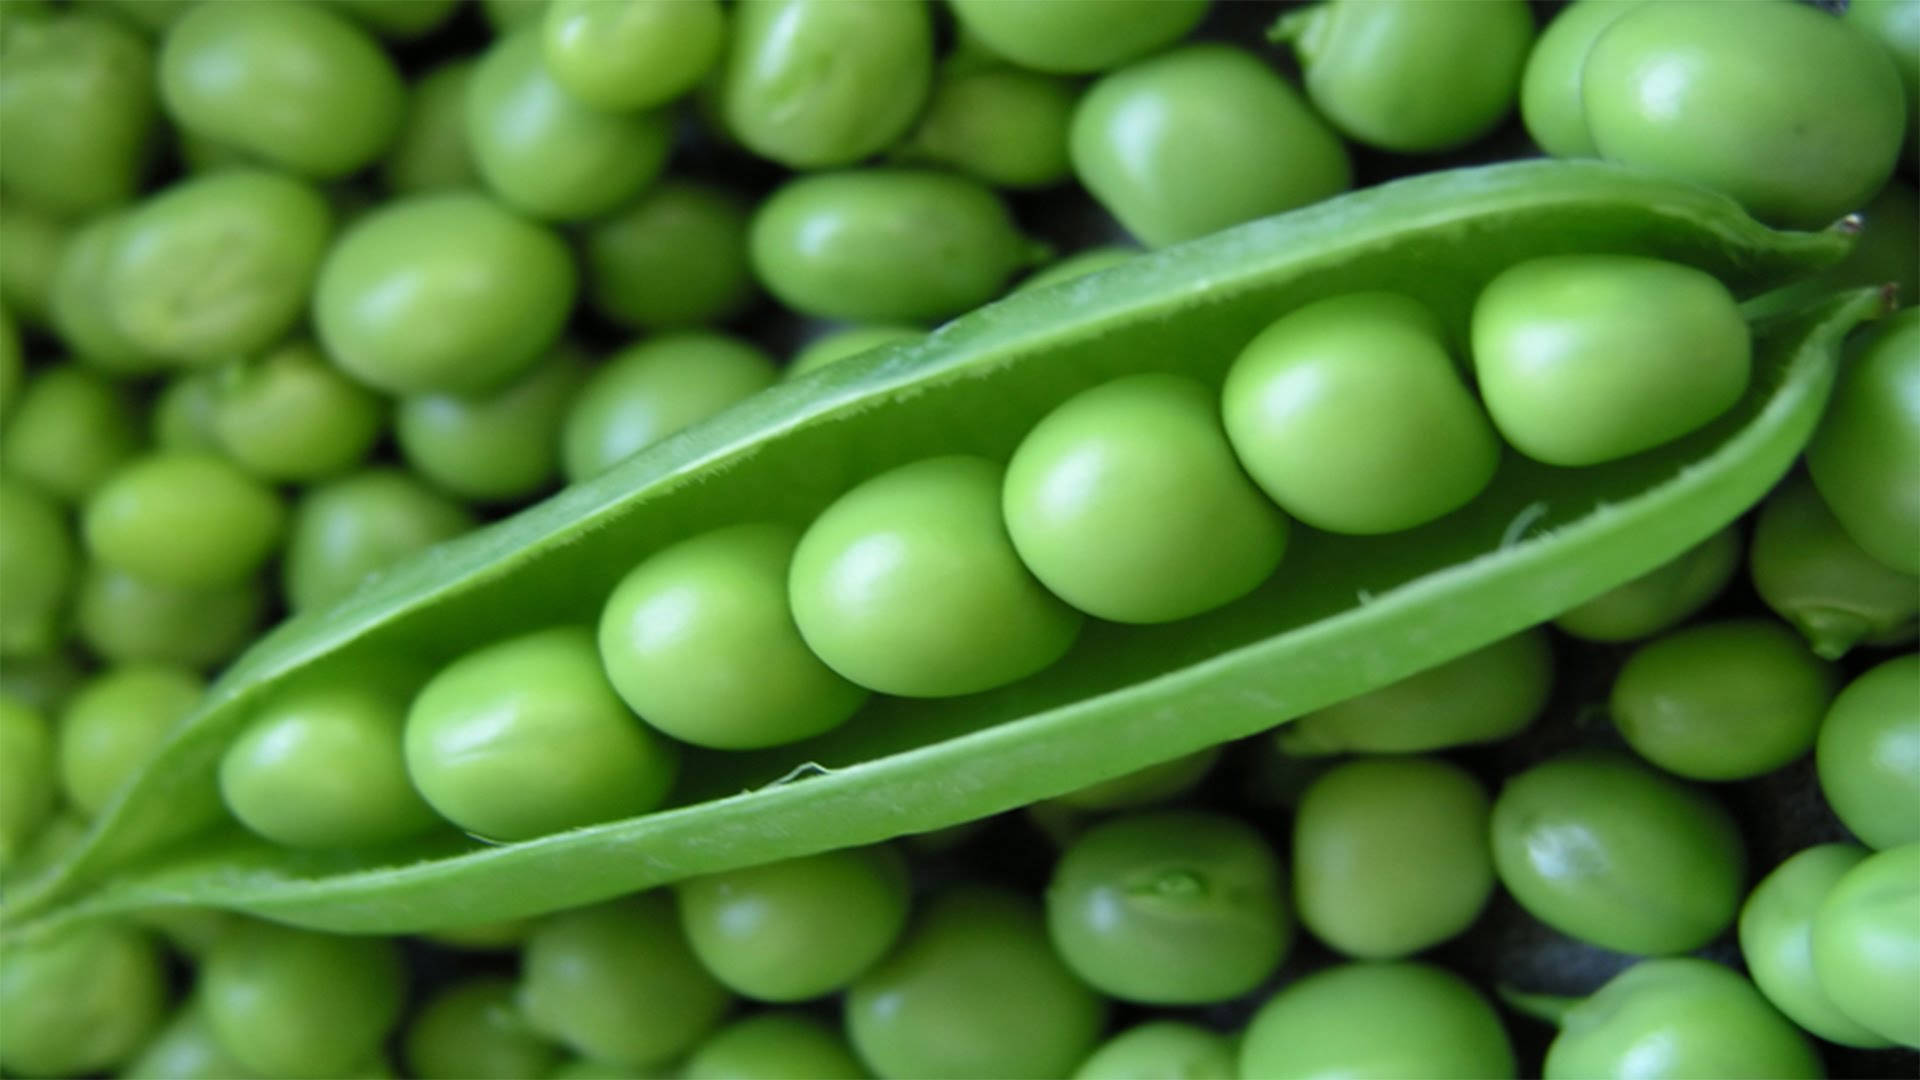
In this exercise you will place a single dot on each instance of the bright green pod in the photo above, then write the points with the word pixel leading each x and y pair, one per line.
pixel 1077 38
pixel 1000 125
pixel 498 447
pixel 113 725
pixel 189 520
pixel 430 153
pixel 38 564
pixel 27 776
pixel 1162 1048
pixel 77 305
pixel 127 619
pixel 348 530
pixel 774 1046
pixel 293 1003
pixel 1812 574
pixel 473 1030
pixel 675 258
pixel 1379 1019
pixel 1865 459
pixel 1776 941
pixel 81 1002
pixel 78 112
pixel 654 389
pixel 69 432
pixel 1868 754
pixel 1866 944
pixel 1661 598
pixel 290 416
pixel 1550 96
pixel 631 54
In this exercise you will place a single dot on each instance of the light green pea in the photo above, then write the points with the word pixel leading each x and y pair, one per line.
pixel 290 416
pixel 473 1030
pixel 1813 575
pixel 347 530
pixel 1162 1048
pixel 1866 944
pixel 651 390
pixel 189 520
pixel 126 619
pixel 675 257
pixel 496 447
pixel 77 304
pixel 112 727
pixel 1077 38
pixel 69 432
pixel 81 1001
pixel 1550 97
pixel 186 1049
pixel 1868 754
pixel 631 54
pixel 774 1046
pixel 296 1003
pixel 1002 125
pixel 1379 1020
pixel 78 112
pixel 1865 458
pixel 1776 940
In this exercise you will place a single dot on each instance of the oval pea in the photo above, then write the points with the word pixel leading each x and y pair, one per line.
pixel 1397 1019
pixel 1001 125
pixel 1661 598
pixel 69 432
pixel 1551 103
pixel 1868 754
pixel 654 389
pixel 291 416
pixel 1812 574
pixel 77 304
pixel 127 619
pixel 473 1030
pixel 774 1046
pixel 1866 944
pixel 631 54
pixel 1776 941
pixel 289 1002
pixel 79 1002
pixel 114 723
pixel 345 531
pixel 1162 1048
pixel 1865 459
pixel 496 447
pixel 187 520
pixel 78 112
pixel 1078 38
pixel 676 257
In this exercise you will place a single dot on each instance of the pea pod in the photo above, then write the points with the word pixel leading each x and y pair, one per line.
pixel 1344 615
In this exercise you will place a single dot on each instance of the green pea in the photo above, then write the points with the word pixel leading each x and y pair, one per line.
pixel 1672 88
pixel 1143 787
pixel 674 258
pixel 1198 139
pixel 186 1049
pixel 26 776
pixel 1868 754
pixel 1350 414
pixel 348 530
pixel 1776 941
pixel 80 1001
pixel 1865 458
pixel 1000 125
pixel 1895 24
pixel 588 1069
pixel 798 928
pixel 885 245
pixel 617 982
pixel 1161 1048
pixel 1074 39
pixel 1170 907
pixel 497 447
pixel 472 1030
pixel 1812 574
pixel 430 153
pixel 1380 1020
pixel 526 737
pixel 1617 855
pixel 1372 68
pixel 77 305
pixel 77 112
pixel 1661 598
pixel 1079 265
pixel 37 568
pixel 31 241
pixel 1109 496
pixel 288 415
pixel 909 585
pixel 852 341
pixel 651 390
pixel 699 640
pixel 217 265
pixel 400 20
pixel 1866 944
pixel 295 1003
pixel 816 84
pixel 293 84
pixel 774 1046
pixel 191 520
pixel 1390 855
pixel 1487 695
pixel 974 990
pixel 127 619
pixel 69 432
pixel 12 364
pixel 547 154
pixel 1583 359
pixel 443 293
pixel 631 54
pixel 182 417
pixel 1550 97
pixel 115 723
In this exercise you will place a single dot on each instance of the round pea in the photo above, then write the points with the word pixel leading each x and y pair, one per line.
pixel 774 1046
pixel 675 257
pixel 1200 138
pixel 473 1030
pixel 1780 105
pixel 1866 944
pixel 909 585
pixel 79 1002
pixel 1162 1048
pixel 651 390
pixel 973 990
pixel 852 341
pixel 186 1049
pixel 348 530
pixel 190 520
pixel 1617 855
pixel 1812 574
pixel 631 54
pixel 526 737
pixel 1776 940
pixel 496 447
pixel 291 416
pixel 1377 1020
pixel 1350 414
pixel 126 619
pixel 699 640
pixel 77 304
pixel 69 432
pixel 1868 754
pixel 1077 38
pixel 37 569
pixel 1722 701
pixel 78 112
pixel 1583 359
pixel 112 727
pixel 27 774
pixel 1079 265
pixel 293 84
pixel 816 84
pixel 616 982
pixel 885 245
pixel 1001 125
pixel 430 153
pixel 1550 97
pixel 1170 907
pixel 297 1003
pixel 1661 598
pixel 443 293
pixel 31 242
pixel 1865 458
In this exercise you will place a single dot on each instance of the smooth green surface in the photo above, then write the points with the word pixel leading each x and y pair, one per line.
pixel 290 416
pixel 348 530
pixel 38 564
pixel 651 390
pixel 1663 597
pixel 1551 103
pixel 498 447
pixel 186 1049
pixel 619 55
pixel 31 242
pixel 1001 125
pixel 78 112
pixel 1077 38
pixel 27 777
pixel 1866 944
pixel 430 153
pixel 675 257
pixel 77 304
pixel 1812 574
pixel 182 417
pixel 81 1002
pixel 1868 754
pixel 774 1046
pixel 113 724
pixel 1776 941
pixel 293 1003
pixel 70 431
pixel 1078 265
pixel 473 1030
pixel 124 618
pixel 1865 459
pixel 1161 1048
pixel 1895 24
pixel 193 521
pixel 1380 1020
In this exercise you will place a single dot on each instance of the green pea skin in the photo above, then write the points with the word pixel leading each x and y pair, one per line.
pixel 818 84
pixel 1776 941
pixel 290 416
pixel 1381 1020
pixel 296 1003
pixel 182 417
pixel 347 530
pixel 77 304
pixel 1612 853
pixel 1372 67
pixel 498 447
pixel 189 520
pixel 798 928
pixel 37 568
pixel 114 724
pixel 1079 38
pixel 473 1030
pixel 909 585
pixel 1583 359
pixel 631 54
pixel 1162 1048
pixel 217 265
pixel 1550 94
pixel 547 154
pixel 31 241
pixel 1865 458
pixel 651 390
pixel 974 990
pixel 1195 140
pixel 675 258
pixel 400 20
pixel 78 112
pixel 447 293
pixel 26 776
pixel 292 84
pixel 70 431
pixel 774 1046
pixel 837 346
pixel 1866 944
pixel 1661 598
pixel 1812 574
pixel 1895 24
pixel 80 1001
pixel 1487 695
pixel 12 365
pixel 1789 110
pixel 885 245
pixel 616 982
pixel 126 619
pixel 1349 413
pixel 1000 125
pixel 1868 754
pixel 1079 265
pixel 186 1049
pixel 525 737
pixel 1390 855
pixel 1108 497
pixel 430 153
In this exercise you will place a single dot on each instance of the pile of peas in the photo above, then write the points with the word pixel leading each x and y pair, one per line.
pixel 294 291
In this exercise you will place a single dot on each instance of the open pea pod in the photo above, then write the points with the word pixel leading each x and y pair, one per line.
pixel 1343 614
